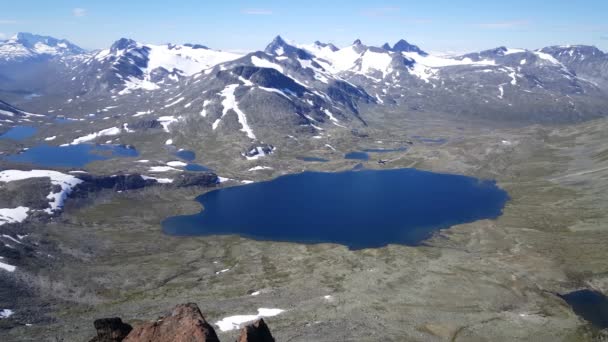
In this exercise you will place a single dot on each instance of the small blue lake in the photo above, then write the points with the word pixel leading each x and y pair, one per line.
pixel 590 305
pixel 357 156
pixel 72 155
pixel 196 168
pixel 185 155
pixel 19 133
pixel 358 209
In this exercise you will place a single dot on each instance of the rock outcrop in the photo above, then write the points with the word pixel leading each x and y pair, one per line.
pixel 111 330
pixel 185 324
pixel 93 183
pixel 256 332
pixel 186 179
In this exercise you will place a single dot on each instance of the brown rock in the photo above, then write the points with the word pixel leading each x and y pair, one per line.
pixel 185 324
pixel 256 332
pixel 110 330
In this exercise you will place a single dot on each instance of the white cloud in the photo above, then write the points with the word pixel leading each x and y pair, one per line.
pixel 7 21
pixel 2 35
pixel 256 11
pixel 79 12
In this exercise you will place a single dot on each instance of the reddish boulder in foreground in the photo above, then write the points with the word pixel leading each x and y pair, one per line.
pixel 256 332
pixel 185 324
pixel 110 330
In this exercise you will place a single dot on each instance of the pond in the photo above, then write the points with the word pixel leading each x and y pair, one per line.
pixel 19 133
pixel 185 155
pixel 358 209
pixel 357 156
pixel 72 155
pixel 590 305
pixel 196 168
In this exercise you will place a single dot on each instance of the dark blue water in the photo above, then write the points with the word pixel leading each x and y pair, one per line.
pixel 385 150
pixel 313 159
pixel 186 155
pixel 71 156
pixel 590 305
pixel 359 209
pixel 357 156
pixel 19 133
pixel 196 168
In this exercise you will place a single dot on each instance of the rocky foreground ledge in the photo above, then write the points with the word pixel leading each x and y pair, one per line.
pixel 185 324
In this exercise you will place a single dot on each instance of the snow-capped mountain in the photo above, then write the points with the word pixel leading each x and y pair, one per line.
pixel 24 46
pixel 310 88
pixel 588 62
pixel 128 65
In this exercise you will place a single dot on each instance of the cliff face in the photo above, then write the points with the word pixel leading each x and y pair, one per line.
pixel 185 324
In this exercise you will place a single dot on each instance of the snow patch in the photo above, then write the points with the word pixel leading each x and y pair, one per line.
pixel 14 215
pixel 229 103
pixel 234 322
pixel 257 168
pixel 262 63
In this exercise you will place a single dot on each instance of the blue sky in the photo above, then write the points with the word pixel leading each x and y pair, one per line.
pixel 435 25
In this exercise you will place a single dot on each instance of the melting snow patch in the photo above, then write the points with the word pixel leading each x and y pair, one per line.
pixel 66 182
pixel 176 163
pixel 262 63
pixel 159 180
pixel 175 102
pixel 104 132
pixel 169 142
pixel 257 168
pixel 234 322
pixel 50 138
pixel 14 215
pixel 163 169
pixel 7 267
pixel 229 103
pixel 222 271
pixel 255 293
pixel 165 121
pixel 6 313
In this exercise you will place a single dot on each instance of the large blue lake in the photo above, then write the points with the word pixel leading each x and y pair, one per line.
pixel 358 209
pixel 70 156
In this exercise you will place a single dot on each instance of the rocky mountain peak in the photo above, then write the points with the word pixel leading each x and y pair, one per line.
pixel 331 46
pixel 403 46
pixel 279 47
pixel 123 44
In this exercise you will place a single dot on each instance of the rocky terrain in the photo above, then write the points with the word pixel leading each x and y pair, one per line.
pixel 185 323
pixel 82 242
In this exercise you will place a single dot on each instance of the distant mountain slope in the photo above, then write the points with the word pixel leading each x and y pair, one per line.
pixel 306 89
pixel 24 46
pixel 128 65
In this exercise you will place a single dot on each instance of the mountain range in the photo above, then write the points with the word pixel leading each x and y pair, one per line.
pixel 298 89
